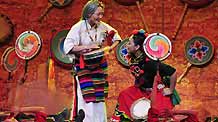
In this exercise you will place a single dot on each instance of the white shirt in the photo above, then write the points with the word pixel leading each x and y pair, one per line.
pixel 80 35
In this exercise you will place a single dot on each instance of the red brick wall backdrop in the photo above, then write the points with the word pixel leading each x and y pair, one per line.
pixel 198 89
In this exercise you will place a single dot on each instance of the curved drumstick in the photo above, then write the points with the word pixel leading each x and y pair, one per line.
pixel 143 19
pixel 180 21
pixel 49 6
pixel 184 73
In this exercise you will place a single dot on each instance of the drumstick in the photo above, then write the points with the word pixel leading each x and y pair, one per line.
pixel 184 73
pixel 143 19
pixel 49 6
pixel 180 21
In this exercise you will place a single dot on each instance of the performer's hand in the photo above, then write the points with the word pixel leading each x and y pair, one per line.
pixel 93 46
pixel 167 91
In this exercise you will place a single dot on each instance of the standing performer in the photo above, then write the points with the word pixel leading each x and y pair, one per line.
pixel 84 38
pixel 144 70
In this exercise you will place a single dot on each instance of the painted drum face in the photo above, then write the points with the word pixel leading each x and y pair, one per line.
pixel 157 46
pixel 121 52
pixel 28 45
pixel 199 50
pixel 57 50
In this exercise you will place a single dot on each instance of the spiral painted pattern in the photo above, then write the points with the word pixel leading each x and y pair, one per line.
pixel 27 45
pixel 157 46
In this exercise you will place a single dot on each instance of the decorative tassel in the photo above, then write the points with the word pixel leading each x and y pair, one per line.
pixel 81 62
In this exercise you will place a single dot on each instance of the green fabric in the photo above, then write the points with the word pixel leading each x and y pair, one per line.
pixel 175 98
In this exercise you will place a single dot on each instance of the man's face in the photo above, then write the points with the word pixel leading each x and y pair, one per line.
pixel 130 46
pixel 96 17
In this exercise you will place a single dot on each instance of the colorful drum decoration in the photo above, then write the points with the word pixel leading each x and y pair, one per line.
pixel 157 46
pixel 198 50
pixel 60 3
pixel 10 60
pixel 6 29
pixel 139 109
pixel 121 52
pixel 57 50
pixel 197 3
pixel 128 2
pixel 28 45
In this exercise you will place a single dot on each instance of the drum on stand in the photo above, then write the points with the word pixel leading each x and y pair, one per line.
pixel 27 45
pixel 57 50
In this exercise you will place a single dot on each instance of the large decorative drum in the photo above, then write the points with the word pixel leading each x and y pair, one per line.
pixel 157 46
pixel 57 50
pixel 28 45
pixel 139 109
pixel 199 50
pixel 6 28
pixel 121 52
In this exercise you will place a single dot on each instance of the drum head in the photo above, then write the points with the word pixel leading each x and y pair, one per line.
pixel 157 46
pixel 28 45
pixel 60 3
pixel 139 109
pixel 121 52
pixel 198 50
pixel 57 50
pixel 10 60
pixel 6 29
pixel 197 3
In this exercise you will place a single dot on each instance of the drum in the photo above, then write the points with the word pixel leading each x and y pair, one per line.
pixel 94 56
pixel 128 2
pixel 57 50
pixel 157 46
pixel 121 52
pixel 28 45
pixel 199 50
pixel 6 29
pixel 10 60
pixel 197 3
pixel 139 109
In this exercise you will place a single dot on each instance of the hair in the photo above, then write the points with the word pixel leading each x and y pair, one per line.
pixel 138 37
pixel 90 8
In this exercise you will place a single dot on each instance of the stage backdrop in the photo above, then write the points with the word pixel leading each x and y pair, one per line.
pixel 198 89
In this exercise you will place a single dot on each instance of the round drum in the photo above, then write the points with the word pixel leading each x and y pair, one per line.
pixel 121 52
pixel 128 2
pixel 94 56
pixel 197 3
pixel 60 3
pixel 28 45
pixel 199 50
pixel 10 60
pixel 57 50
pixel 157 46
pixel 6 29
pixel 139 109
